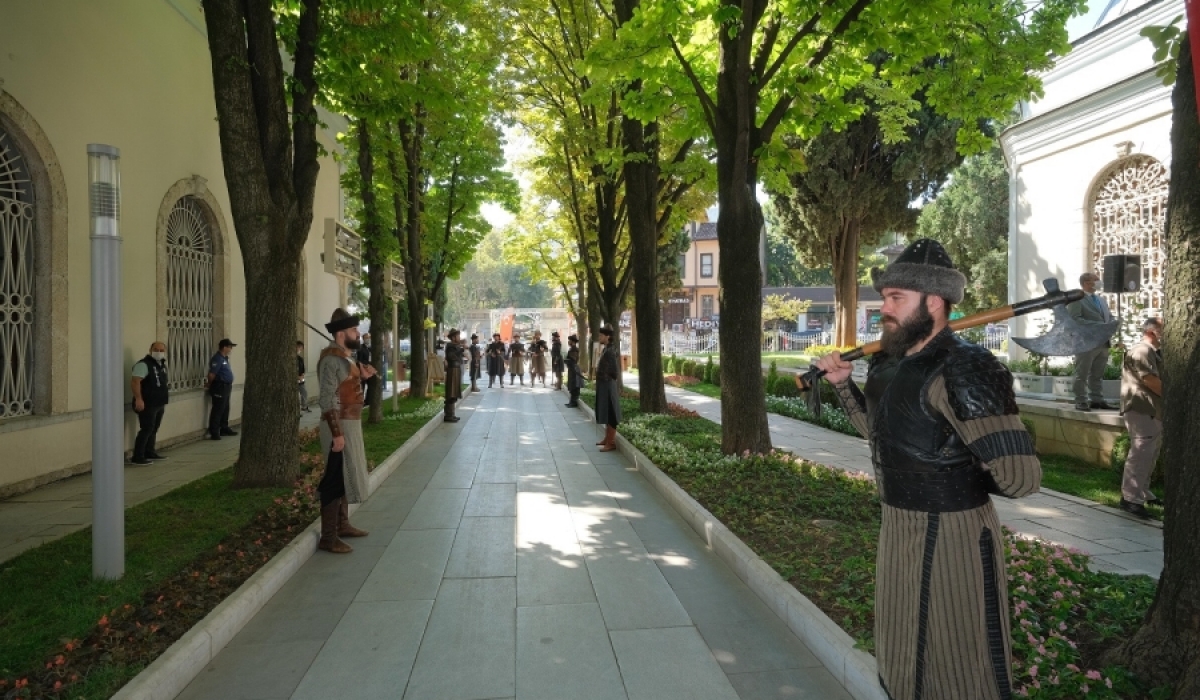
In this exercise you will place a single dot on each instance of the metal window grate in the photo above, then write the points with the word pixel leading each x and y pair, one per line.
pixel 189 294
pixel 1129 214
pixel 16 282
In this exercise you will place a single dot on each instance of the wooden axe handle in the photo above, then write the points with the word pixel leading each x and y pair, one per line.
pixel 1000 313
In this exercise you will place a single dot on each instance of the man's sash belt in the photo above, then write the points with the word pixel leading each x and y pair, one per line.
pixel 934 492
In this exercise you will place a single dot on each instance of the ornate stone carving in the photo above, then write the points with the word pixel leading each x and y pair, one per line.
pixel 1128 215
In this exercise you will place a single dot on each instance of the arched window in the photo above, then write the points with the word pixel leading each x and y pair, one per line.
pixel 189 294
pixel 17 231
pixel 1128 216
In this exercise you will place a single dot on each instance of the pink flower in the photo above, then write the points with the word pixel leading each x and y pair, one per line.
pixel 1093 675
pixel 1033 671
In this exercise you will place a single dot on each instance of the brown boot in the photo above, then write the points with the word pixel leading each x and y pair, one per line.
pixel 329 527
pixel 610 439
pixel 345 529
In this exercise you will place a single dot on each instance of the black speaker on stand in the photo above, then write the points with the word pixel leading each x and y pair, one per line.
pixel 1122 274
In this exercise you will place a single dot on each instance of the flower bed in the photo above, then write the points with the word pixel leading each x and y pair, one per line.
pixel 818 528
pixel 680 381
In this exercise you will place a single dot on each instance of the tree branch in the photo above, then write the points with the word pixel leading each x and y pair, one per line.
pixel 706 102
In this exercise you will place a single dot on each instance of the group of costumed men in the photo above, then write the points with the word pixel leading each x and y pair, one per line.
pixel 945 435
pixel 512 357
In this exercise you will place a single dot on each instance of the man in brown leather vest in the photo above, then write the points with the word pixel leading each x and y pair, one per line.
pixel 345 477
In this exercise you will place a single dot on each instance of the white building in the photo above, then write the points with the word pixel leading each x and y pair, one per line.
pixel 134 74
pixel 1089 161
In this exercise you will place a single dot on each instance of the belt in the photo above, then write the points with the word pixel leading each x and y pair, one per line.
pixel 935 492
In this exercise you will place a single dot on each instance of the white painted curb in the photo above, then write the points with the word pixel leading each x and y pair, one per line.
pixel 175 668
pixel 855 669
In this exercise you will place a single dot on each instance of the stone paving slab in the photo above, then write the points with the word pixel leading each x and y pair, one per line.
pixel 544 592
pixel 1049 515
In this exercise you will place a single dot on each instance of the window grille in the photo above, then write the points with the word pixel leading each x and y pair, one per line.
pixel 706 306
pixel 16 282
pixel 1129 214
pixel 189 294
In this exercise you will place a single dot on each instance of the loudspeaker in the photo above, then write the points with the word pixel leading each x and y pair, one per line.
pixel 1122 273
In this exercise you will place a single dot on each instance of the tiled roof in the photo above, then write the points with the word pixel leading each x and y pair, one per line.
pixel 706 231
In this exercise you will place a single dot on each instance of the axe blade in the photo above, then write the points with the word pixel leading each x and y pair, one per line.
pixel 1068 336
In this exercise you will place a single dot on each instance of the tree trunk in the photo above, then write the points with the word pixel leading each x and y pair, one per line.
pixel 269 157
pixel 843 250
pixel 406 199
pixel 739 226
pixel 582 329
pixel 1166 649
pixel 377 308
pixel 641 186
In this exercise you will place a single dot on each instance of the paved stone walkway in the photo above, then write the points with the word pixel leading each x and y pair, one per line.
pixel 508 558
pixel 1117 541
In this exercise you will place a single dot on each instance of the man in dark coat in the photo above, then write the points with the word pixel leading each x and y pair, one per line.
pixel 556 360
pixel 608 390
pixel 945 435
pixel 495 360
pixel 574 377
pixel 476 356
pixel 454 366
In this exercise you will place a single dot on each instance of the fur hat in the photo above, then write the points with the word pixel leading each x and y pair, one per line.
pixel 924 267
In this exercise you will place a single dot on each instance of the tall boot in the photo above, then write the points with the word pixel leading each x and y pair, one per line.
pixel 329 530
pixel 610 439
pixel 345 529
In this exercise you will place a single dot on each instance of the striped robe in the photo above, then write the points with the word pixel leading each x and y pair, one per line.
pixel 941 593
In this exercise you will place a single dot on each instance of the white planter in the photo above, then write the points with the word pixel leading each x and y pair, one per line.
pixel 1064 387
pixel 1032 383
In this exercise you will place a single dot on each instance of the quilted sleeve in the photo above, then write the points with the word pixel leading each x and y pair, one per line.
pixel 996 437
pixel 853 403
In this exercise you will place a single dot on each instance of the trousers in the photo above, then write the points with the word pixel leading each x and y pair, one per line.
pixel 1145 439
pixel 148 422
pixel 218 415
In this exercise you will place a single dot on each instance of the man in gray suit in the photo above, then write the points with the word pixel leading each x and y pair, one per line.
pixel 1089 366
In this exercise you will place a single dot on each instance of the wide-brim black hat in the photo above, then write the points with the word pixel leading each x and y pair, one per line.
pixel 924 267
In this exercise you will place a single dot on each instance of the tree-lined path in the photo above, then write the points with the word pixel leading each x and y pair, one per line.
pixel 509 559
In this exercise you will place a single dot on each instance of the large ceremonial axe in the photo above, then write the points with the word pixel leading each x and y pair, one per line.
pixel 1066 337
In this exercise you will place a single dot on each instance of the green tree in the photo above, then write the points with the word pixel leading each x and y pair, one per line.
pixel 267 123
pixel 856 186
pixel 777 307
pixel 970 218
pixel 750 71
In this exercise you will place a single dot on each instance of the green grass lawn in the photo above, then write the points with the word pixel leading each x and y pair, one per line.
pixel 48 596
pixel 1079 478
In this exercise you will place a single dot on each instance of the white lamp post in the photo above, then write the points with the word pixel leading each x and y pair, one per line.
pixel 108 446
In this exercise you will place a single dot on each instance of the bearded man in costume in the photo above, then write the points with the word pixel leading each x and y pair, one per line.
pixel 945 436
pixel 454 366
pixel 345 477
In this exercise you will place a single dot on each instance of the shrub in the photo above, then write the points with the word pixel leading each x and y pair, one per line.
pixel 698 371
pixel 785 385
pixel 772 375
pixel 708 370
pixel 716 376
pixel 689 368
pixel 672 365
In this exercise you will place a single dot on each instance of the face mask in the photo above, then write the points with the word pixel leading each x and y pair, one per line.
pixel 159 356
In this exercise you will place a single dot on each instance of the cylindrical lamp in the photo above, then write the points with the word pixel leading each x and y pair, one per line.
pixel 108 444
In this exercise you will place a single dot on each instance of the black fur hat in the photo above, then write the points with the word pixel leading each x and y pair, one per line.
pixel 924 267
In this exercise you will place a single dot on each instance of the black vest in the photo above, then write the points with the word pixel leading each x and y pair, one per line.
pixel 920 461
pixel 154 384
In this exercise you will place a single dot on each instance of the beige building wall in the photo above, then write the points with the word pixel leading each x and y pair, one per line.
pixel 134 74
pixel 702 286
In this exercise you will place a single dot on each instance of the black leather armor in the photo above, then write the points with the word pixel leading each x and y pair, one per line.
pixel 921 463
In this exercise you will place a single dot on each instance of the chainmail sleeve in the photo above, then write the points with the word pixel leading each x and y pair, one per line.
pixel 999 440
pixel 853 403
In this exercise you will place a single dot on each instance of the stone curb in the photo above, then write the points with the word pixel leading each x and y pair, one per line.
pixel 855 669
pixel 175 668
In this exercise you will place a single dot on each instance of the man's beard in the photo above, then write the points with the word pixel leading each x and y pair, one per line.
pixel 351 343
pixel 913 330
